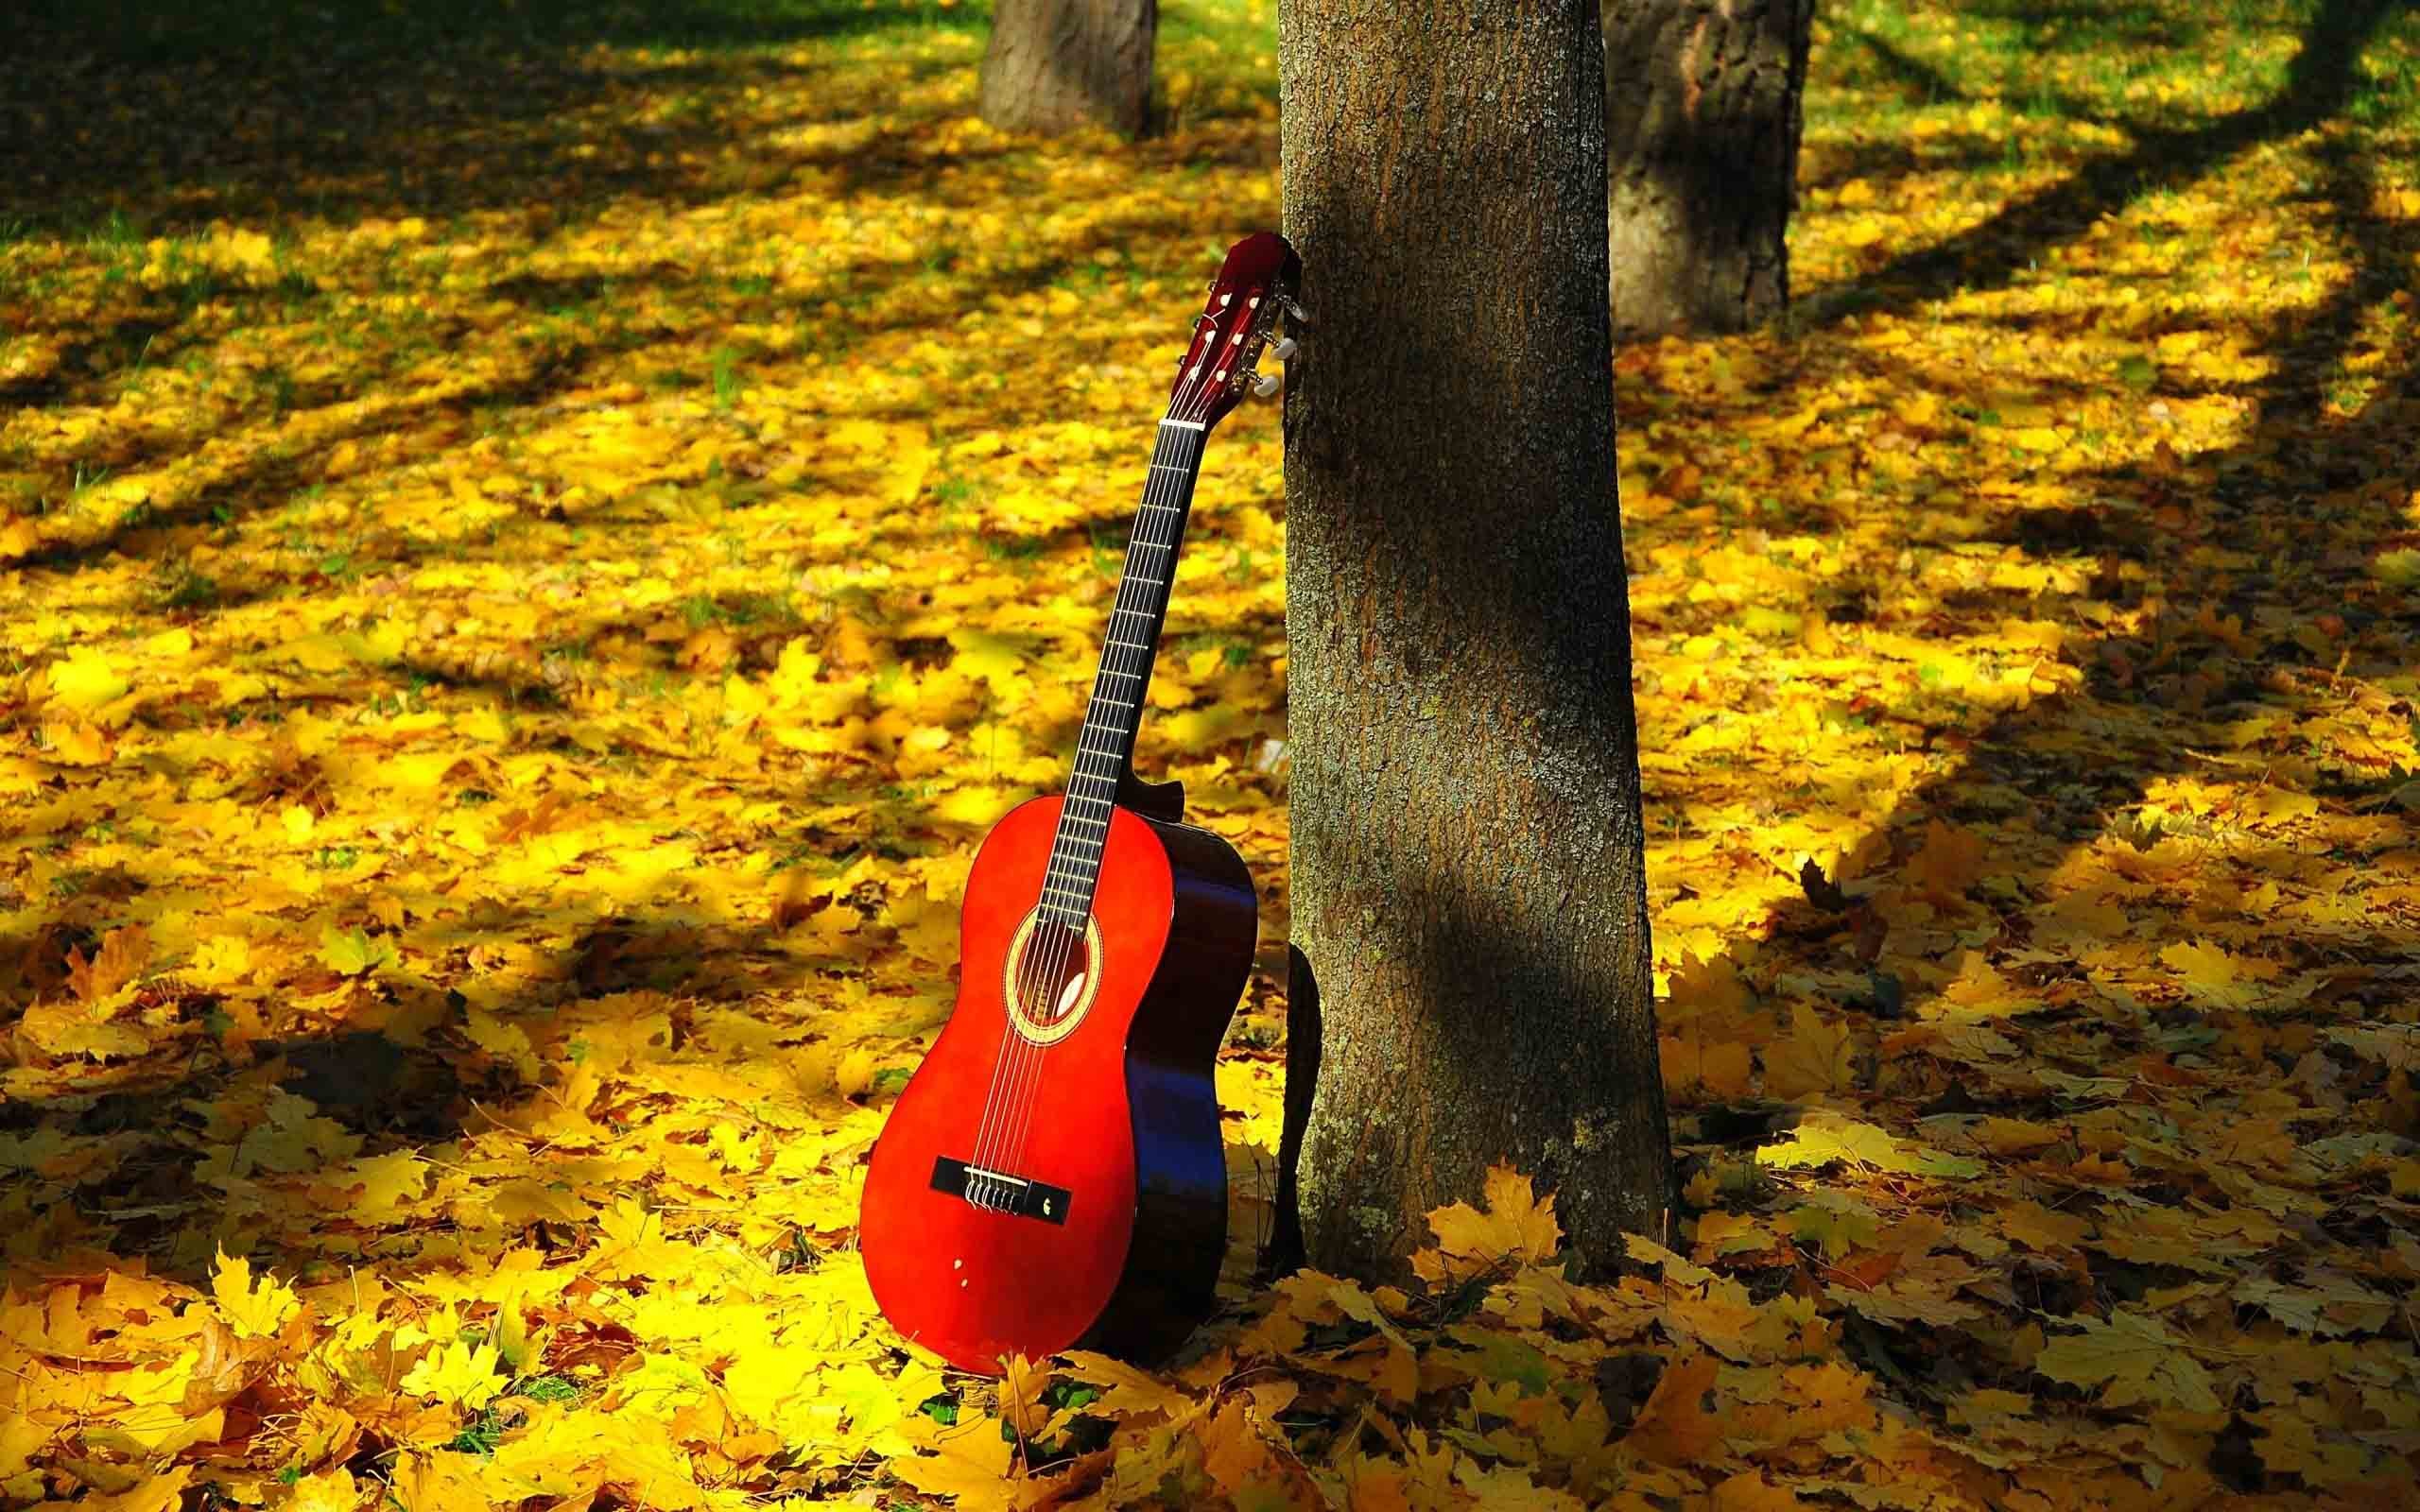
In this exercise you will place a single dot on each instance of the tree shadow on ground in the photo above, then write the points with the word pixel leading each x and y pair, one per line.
pixel 569 330
pixel 167 118
pixel 2221 558
pixel 421 1084
pixel 2323 81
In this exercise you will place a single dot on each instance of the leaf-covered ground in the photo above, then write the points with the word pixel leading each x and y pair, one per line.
pixel 539 536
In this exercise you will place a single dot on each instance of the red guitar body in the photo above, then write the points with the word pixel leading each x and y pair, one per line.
pixel 1029 1197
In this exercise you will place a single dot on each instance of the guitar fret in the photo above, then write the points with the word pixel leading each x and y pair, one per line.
pixel 1172 509
pixel 1167 467
pixel 1187 424
pixel 1137 677
pixel 1131 645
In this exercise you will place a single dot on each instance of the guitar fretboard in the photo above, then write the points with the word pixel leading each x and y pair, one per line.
pixel 1106 744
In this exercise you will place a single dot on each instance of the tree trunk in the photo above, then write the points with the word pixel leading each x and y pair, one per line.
pixel 1468 884
pixel 1701 107
pixel 1055 65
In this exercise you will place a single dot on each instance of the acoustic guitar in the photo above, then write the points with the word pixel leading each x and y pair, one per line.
pixel 1052 1176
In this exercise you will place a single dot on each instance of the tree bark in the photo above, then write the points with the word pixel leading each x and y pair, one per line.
pixel 1055 65
pixel 1468 881
pixel 1703 116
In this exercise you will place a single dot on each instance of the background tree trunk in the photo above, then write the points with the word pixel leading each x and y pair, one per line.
pixel 1701 107
pixel 1467 875
pixel 1055 65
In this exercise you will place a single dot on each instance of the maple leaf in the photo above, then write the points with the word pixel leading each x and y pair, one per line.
pixel 969 1461
pixel 222 1366
pixel 2291 1442
pixel 121 958
pixel 1837 1224
pixel 67 1028
pixel 632 1243
pixel 356 953
pixel 1374 1485
pixel 1511 1489
pixel 330 1490
pixel 1517 1225
pixel 1708 986
pixel 1674 1426
pixel 1125 1392
pixel 257 1311
pixel 2013 1135
pixel 1815 1056
pixel 1702 1056
pixel 1749 1491
pixel 85 679
pixel 1021 1406
pixel 2133 1359
pixel 458 1373
pixel 2225 980
pixel 2328 1303
pixel 1393 1367
pixel 999 663
pixel 2038 1228
pixel 1251 1462
pixel 76 742
pixel 1822 1139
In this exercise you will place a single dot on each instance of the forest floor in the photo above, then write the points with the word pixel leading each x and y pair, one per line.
pixel 539 536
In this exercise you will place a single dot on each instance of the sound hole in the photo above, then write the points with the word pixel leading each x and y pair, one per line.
pixel 1052 977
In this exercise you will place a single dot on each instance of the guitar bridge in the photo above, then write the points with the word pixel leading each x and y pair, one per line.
pixel 1000 1192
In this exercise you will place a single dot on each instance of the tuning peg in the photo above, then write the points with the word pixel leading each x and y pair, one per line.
pixel 1295 312
pixel 1265 386
pixel 1285 348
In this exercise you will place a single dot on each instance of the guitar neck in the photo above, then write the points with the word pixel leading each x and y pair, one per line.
pixel 1105 746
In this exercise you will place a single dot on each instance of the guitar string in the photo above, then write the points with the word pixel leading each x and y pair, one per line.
pixel 1036 967
pixel 1191 408
pixel 1018 1072
pixel 1193 402
pixel 1026 1087
pixel 1022 1059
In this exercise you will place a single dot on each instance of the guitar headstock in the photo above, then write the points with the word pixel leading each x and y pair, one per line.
pixel 1255 284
